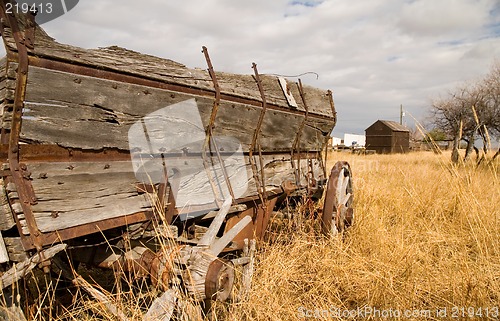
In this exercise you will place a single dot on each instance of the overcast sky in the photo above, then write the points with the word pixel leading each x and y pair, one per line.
pixel 373 54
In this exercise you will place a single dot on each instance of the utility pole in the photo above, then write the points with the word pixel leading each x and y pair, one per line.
pixel 401 114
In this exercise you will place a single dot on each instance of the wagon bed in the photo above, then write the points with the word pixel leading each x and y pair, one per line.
pixel 101 146
pixel 81 103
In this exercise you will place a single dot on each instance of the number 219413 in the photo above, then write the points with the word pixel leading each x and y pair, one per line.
pixel 472 312
pixel 43 7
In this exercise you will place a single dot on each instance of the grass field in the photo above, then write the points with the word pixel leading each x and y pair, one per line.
pixel 425 245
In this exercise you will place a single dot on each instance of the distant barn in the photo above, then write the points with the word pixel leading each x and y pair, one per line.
pixel 387 137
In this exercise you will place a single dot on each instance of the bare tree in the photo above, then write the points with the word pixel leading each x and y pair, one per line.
pixel 491 85
pixel 470 111
pixel 491 114
pixel 452 116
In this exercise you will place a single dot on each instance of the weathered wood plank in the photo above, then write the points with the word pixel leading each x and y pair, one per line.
pixel 20 270
pixel 6 216
pixel 3 64
pixel 314 134
pixel 75 193
pixel 11 73
pixel 7 93
pixel 163 306
pixel 126 61
pixel 164 70
pixel 15 249
pixel 209 237
pixel 221 243
pixel 65 110
pixel 46 86
pixel 246 86
pixel 247 273
pixel 317 102
pixel 4 255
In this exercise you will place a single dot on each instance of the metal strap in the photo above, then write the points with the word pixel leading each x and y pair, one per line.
pixel 215 107
pixel 261 185
pixel 20 175
pixel 322 161
pixel 329 93
pixel 332 104
pixel 296 143
pixel 209 137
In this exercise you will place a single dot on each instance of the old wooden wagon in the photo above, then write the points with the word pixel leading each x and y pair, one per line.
pixel 122 159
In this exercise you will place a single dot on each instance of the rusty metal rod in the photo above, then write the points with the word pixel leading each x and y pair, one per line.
pixel 209 135
pixel 324 149
pixel 224 171
pixel 262 174
pixel 211 178
pixel 256 133
pixel 261 189
pixel 19 173
pixel 329 93
pixel 215 108
pixel 296 144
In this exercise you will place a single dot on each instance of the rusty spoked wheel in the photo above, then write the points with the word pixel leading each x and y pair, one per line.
pixel 338 213
pixel 220 280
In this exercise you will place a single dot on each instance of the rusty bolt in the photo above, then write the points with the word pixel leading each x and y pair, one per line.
pixel 27 175
pixel 45 265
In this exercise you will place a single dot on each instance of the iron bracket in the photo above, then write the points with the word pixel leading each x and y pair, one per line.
pixel 20 176
pixel 329 93
pixel 209 136
pixel 261 186
pixel 296 143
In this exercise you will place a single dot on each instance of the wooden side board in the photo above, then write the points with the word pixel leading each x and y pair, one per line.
pixel 7 89
pixel 6 215
pixel 75 193
pixel 168 71
pixel 89 113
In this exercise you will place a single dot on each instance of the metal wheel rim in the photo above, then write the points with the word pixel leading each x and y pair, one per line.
pixel 338 213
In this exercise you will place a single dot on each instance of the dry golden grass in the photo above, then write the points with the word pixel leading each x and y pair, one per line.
pixel 426 237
